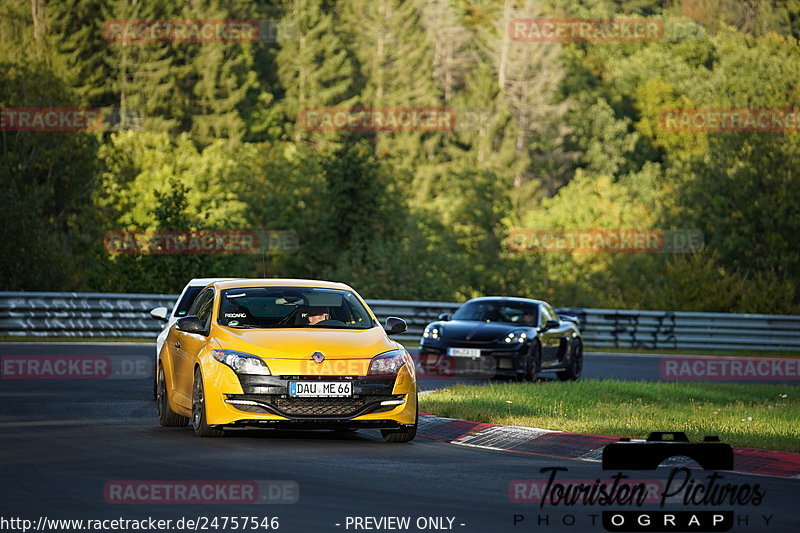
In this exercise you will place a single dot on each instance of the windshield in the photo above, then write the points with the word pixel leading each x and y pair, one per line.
pixel 522 313
pixel 292 307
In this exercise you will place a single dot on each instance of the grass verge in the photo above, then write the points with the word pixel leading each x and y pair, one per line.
pixel 748 415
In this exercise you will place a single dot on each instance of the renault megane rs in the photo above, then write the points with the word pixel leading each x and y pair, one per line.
pixel 285 354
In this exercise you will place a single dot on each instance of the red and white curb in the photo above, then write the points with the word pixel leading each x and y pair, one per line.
pixel 560 444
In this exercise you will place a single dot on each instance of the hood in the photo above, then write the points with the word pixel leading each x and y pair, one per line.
pixel 300 343
pixel 469 330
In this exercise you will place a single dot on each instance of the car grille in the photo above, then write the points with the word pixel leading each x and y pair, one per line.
pixel 320 406
pixel 316 407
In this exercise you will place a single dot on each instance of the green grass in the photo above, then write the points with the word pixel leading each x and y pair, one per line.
pixel 748 415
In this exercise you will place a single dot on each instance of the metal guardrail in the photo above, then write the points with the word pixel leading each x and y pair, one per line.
pixel 69 314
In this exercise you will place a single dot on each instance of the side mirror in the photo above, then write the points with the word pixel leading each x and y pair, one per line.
pixel 444 316
pixel 550 324
pixel 191 324
pixel 395 325
pixel 161 313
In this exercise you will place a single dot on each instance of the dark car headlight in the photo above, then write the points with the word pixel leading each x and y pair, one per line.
pixel 242 363
pixel 432 332
pixel 518 336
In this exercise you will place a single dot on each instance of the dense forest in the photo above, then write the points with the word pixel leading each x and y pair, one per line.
pixel 210 135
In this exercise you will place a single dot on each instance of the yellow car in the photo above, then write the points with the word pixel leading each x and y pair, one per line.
pixel 285 353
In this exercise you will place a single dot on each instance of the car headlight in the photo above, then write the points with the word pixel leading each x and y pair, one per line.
pixel 242 363
pixel 431 332
pixel 389 363
pixel 516 336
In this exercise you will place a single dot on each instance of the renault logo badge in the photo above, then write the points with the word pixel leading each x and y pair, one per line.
pixel 318 357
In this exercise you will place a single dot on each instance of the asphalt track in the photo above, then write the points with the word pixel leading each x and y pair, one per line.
pixel 63 441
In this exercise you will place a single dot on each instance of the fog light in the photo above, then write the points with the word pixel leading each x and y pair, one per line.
pixel 391 402
pixel 505 364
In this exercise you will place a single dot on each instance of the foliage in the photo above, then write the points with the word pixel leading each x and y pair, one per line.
pixel 209 135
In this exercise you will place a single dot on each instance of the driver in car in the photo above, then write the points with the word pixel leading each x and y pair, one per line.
pixel 528 318
pixel 314 315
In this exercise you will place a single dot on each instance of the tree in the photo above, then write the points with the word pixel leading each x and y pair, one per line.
pixel 315 68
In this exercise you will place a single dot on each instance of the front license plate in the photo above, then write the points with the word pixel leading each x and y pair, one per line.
pixel 320 389
pixel 464 352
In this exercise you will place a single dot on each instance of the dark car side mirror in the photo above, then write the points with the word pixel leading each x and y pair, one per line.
pixel 444 316
pixel 550 324
pixel 395 325
pixel 191 324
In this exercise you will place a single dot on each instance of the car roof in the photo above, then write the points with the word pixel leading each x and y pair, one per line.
pixel 202 282
pixel 506 299
pixel 280 282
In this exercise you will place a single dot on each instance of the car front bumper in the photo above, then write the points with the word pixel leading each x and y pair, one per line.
pixel 494 361
pixel 264 401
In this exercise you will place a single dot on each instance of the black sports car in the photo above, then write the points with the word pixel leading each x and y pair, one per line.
pixel 499 336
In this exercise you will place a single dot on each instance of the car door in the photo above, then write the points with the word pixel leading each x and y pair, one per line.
pixel 551 338
pixel 187 345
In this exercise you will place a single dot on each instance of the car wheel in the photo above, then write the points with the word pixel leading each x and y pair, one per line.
pixel 574 365
pixel 201 428
pixel 166 416
pixel 533 363
pixel 403 434
pixel 533 360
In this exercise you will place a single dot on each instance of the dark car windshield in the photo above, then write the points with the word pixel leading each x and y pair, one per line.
pixel 511 312
pixel 292 307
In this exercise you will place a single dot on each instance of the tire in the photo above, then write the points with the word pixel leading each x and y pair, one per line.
pixel 155 380
pixel 201 428
pixel 574 365
pixel 533 363
pixel 166 416
pixel 403 434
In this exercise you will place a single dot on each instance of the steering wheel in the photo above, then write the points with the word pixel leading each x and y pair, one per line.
pixel 288 318
pixel 330 322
